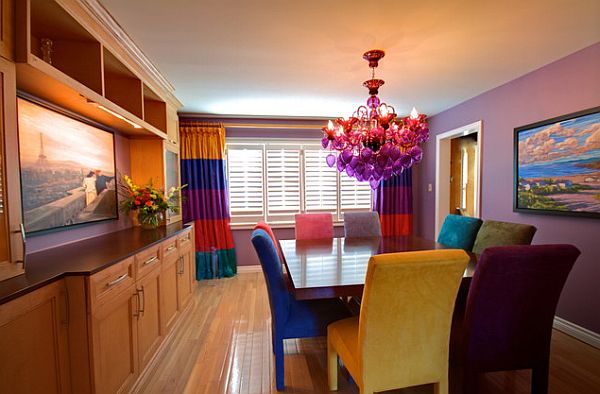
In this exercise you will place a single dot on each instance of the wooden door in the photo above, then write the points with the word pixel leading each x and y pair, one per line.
pixel 114 341
pixel 34 342
pixel 169 275
pixel 149 325
pixel 11 241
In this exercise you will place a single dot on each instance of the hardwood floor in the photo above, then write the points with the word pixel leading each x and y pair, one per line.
pixel 223 345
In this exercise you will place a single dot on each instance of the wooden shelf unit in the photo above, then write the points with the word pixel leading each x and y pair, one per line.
pixel 81 74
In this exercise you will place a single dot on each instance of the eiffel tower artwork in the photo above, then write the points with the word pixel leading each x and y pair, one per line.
pixel 42 160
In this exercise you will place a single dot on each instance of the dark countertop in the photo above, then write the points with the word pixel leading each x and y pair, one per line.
pixel 84 257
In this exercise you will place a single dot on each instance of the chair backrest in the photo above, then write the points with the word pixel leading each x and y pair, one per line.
pixel 269 231
pixel 279 296
pixel 406 314
pixel 495 233
pixel 362 224
pixel 459 231
pixel 511 304
pixel 314 226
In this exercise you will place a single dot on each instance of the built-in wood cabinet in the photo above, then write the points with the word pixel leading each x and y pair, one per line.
pixel 34 342
pixel 11 237
pixel 134 304
pixel 7 29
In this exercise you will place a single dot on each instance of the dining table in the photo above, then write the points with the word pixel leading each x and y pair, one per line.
pixel 337 267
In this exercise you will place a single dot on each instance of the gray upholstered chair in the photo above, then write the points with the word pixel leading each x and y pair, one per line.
pixel 494 233
pixel 362 224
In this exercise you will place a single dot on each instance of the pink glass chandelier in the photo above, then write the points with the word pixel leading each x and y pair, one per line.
pixel 372 144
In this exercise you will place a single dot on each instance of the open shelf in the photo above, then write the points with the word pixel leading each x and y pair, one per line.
pixel 121 86
pixel 155 110
pixel 61 62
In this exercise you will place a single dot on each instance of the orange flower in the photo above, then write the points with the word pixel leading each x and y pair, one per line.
pixel 149 203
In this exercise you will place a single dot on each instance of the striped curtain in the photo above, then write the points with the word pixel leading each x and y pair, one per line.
pixel 205 198
pixel 393 201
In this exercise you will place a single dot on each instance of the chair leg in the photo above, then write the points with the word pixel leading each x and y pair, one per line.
pixel 539 378
pixel 441 387
pixel 469 381
pixel 332 367
pixel 279 371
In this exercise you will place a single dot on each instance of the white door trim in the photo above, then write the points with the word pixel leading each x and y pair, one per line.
pixel 442 172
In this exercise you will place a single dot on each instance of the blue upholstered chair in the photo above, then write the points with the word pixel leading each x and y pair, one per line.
pixel 362 224
pixel 459 232
pixel 291 318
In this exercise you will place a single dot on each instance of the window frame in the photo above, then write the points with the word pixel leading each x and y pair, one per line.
pixel 284 220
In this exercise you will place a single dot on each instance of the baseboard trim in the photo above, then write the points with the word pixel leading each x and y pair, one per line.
pixel 248 268
pixel 583 334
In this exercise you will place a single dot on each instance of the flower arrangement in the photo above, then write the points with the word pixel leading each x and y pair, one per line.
pixel 150 203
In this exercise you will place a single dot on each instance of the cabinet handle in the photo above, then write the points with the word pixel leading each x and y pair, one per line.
pixel 170 248
pixel 186 239
pixel 181 265
pixel 150 260
pixel 118 280
pixel 142 300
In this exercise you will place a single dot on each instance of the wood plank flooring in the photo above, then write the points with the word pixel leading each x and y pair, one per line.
pixel 223 345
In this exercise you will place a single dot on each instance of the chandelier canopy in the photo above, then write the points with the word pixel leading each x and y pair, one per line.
pixel 373 144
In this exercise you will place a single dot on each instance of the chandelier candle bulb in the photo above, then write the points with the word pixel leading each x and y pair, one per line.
pixel 373 144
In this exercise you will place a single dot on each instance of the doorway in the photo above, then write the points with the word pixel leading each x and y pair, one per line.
pixel 458 173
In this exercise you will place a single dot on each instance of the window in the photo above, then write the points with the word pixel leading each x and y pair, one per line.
pixel 275 180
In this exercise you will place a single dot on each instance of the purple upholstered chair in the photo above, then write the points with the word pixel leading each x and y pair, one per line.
pixel 507 323
pixel 291 318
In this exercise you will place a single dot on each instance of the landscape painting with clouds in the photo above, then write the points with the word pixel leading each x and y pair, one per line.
pixel 558 166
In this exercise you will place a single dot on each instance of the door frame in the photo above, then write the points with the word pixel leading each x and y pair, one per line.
pixel 442 170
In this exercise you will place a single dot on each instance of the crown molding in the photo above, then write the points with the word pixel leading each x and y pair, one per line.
pixel 103 17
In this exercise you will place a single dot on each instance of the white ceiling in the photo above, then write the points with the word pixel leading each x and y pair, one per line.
pixel 304 57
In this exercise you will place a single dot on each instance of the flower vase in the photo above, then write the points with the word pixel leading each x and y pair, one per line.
pixel 150 221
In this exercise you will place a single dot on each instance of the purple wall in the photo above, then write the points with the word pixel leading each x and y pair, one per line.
pixel 60 237
pixel 567 85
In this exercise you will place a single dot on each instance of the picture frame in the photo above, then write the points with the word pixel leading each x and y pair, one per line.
pixel 68 167
pixel 557 166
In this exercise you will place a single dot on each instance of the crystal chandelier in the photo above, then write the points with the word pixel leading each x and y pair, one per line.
pixel 373 145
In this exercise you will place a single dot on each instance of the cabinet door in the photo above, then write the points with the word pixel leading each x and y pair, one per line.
pixel 33 339
pixel 11 243
pixel 172 177
pixel 185 280
pixel 114 342
pixel 170 267
pixel 150 328
pixel 7 28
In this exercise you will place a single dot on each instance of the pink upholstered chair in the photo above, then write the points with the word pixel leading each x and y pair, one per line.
pixel 314 226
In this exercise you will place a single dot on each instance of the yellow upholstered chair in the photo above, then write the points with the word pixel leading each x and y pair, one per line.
pixel 402 335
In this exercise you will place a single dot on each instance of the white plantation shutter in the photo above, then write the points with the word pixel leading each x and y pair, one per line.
pixel 245 174
pixel 354 195
pixel 320 182
pixel 274 180
pixel 283 182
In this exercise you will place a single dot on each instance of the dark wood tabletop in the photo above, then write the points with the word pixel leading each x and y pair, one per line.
pixel 337 267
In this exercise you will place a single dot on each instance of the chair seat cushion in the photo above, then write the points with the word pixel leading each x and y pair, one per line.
pixel 343 335
pixel 310 318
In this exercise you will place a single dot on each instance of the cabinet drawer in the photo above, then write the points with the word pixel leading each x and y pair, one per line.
pixel 112 279
pixel 147 260
pixel 169 248
pixel 185 240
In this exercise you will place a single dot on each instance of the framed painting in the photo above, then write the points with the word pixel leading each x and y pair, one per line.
pixel 67 167
pixel 557 165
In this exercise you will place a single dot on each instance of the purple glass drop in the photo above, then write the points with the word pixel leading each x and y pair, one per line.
pixel 350 171
pixel 416 153
pixel 340 165
pixel 394 153
pixel 346 156
pixel 397 167
pixel 354 161
pixel 325 142
pixel 382 161
pixel 330 159
pixel 366 154
pixel 387 173
pixel 373 102
pixel 374 183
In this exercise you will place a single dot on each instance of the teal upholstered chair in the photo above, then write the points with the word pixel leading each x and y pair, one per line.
pixel 494 233
pixel 459 231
